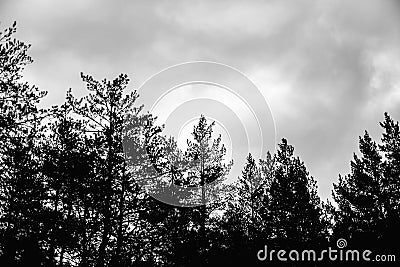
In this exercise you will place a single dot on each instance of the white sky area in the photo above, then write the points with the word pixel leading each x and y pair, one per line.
pixel 328 69
pixel 175 98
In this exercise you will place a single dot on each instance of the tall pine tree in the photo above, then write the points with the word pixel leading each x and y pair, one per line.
pixel 293 208
pixel 21 184
pixel 368 198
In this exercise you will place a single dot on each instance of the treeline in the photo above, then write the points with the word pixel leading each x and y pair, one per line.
pixel 71 194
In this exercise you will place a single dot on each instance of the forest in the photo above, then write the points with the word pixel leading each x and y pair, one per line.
pixel 72 175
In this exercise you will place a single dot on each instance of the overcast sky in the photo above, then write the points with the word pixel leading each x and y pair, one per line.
pixel 328 69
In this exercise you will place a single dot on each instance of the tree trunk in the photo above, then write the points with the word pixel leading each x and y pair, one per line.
pixel 203 241
pixel 117 255
pixel 108 198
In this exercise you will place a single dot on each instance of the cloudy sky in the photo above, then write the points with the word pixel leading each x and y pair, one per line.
pixel 328 69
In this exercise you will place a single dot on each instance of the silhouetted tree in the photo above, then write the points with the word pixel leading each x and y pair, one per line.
pixel 112 118
pixel 368 198
pixel 390 148
pixel 21 183
pixel 187 229
pixel 69 158
pixel 208 154
pixel 242 221
pixel 293 209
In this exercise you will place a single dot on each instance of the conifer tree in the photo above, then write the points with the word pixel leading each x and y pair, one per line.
pixel 293 208
pixel 111 118
pixel 203 163
pixel 21 183
pixel 368 198
pixel 243 221
pixel 208 156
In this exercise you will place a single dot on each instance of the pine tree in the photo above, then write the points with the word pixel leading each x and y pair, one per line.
pixel 69 172
pixel 111 120
pixel 368 198
pixel 21 183
pixel 243 221
pixel 293 208
pixel 390 147
pixel 359 194
pixel 197 171
pixel 207 155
